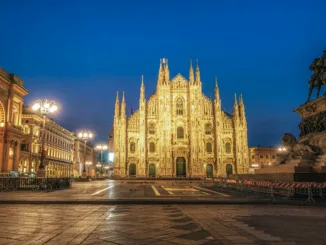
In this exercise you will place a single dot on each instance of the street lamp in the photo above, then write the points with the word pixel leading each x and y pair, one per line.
pixel 106 170
pixel 44 107
pixel 88 164
pixel 85 135
pixel 101 148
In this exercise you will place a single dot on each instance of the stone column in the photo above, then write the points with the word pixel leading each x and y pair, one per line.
pixel 16 157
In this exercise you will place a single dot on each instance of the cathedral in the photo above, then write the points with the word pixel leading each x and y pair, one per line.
pixel 179 132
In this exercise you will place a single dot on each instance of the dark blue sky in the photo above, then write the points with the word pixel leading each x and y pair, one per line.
pixel 81 52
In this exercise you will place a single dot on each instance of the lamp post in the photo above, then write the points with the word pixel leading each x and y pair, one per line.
pixel 44 107
pixel 101 148
pixel 106 170
pixel 100 167
pixel 88 164
pixel 85 135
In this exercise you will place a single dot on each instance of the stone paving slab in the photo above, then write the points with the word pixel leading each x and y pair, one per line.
pixel 148 224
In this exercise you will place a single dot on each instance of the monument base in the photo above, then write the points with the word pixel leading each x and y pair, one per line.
pixel 313 126
pixel 84 175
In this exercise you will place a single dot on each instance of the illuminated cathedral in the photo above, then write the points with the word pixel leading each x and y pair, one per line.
pixel 179 132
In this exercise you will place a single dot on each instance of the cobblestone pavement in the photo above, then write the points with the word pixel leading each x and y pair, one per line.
pixel 161 224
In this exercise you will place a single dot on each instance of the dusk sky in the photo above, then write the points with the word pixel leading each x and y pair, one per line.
pixel 79 53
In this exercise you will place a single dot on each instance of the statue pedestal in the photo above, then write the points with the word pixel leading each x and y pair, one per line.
pixel 313 122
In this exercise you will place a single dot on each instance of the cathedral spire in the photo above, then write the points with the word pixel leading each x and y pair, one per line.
pixel 197 73
pixel 166 72
pixel 123 105
pixel 240 100
pixel 235 107
pixel 242 108
pixel 191 74
pixel 217 92
pixel 142 89
pixel 160 74
pixel 117 106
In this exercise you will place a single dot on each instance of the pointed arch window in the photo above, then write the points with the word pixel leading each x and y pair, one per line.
pixel 208 129
pixel 209 147
pixel 132 147
pixel 179 106
pixel 228 147
pixel 180 133
pixel 152 147
pixel 151 128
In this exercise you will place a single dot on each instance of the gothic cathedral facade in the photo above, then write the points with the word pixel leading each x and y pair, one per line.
pixel 179 132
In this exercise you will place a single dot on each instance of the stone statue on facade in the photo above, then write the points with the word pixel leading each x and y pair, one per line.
pixel 295 150
pixel 318 78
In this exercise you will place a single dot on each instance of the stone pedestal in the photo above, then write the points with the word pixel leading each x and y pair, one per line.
pixel 313 122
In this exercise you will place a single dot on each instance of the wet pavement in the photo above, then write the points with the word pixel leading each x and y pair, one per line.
pixel 162 224
pixel 108 191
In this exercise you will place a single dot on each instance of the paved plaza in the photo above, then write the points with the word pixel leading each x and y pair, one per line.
pixel 110 191
pixel 161 224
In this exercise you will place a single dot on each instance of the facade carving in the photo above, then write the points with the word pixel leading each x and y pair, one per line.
pixel 12 94
pixel 179 132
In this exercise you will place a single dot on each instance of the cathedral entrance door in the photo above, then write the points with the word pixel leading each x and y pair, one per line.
pixel 152 170
pixel 181 167
pixel 209 170
pixel 229 169
pixel 132 170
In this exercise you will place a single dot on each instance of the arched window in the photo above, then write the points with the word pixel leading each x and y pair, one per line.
pixel 228 147
pixel 132 147
pixel 180 133
pixel 209 147
pixel 179 106
pixel 208 129
pixel 152 147
pixel 151 128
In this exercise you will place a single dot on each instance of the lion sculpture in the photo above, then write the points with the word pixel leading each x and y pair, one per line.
pixel 295 149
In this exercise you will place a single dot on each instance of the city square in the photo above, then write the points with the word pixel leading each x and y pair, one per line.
pixel 126 122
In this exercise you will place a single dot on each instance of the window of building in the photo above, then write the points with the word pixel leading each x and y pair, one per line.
pixel 180 133
pixel 209 147
pixel 179 106
pixel 228 147
pixel 266 156
pixel 152 128
pixel 273 156
pixel 261 156
pixel 253 157
pixel 132 147
pixel 152 147
pixel 208 129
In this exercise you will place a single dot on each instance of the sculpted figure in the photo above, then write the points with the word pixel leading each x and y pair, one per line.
pixel 295 149
pixel 318 78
